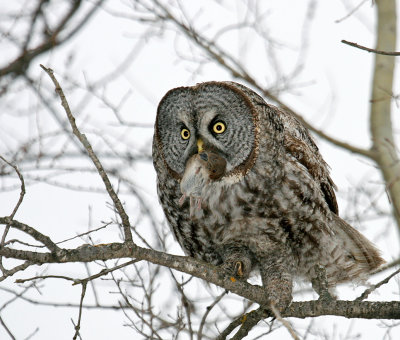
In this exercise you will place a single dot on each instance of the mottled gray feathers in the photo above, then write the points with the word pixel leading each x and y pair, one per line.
pixel 249 190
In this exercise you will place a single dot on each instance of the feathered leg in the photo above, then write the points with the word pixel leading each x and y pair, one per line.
pixel 277 281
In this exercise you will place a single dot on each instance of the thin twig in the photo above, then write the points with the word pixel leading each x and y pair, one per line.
pixel 208 310
pixel 78 281
pixel 85 233
pixel 82 138
pixel 236 69
pixel 60 304
pixel 92 285
pixel 14 240
pixel 185 302
pixel 30 336
pixel 394 54
pixel 7 329
pixel 11 272
pixel 284 322
pixel 369 290
pixel 78 325
pixel 41 277
pixel 38 236
pixel 17 296
pixel 351 12
pixel 21 197
pixel 104 272
pixel 140 315
pixel 18 66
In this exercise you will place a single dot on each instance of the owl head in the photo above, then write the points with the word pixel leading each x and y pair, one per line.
pixel 215 120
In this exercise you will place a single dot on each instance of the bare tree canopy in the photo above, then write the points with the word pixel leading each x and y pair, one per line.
pixel 84 243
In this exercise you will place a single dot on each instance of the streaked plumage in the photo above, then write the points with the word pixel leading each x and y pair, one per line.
pixel 271 207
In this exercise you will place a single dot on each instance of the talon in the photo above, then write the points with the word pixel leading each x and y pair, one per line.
pixel 239 268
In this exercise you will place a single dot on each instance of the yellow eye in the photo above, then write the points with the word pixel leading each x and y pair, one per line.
pixel 185 133
pixel 219 127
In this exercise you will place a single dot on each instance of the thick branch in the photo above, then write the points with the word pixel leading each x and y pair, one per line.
pixel 348 309
pixel 45 240
pixel 212 274
pixel 21 63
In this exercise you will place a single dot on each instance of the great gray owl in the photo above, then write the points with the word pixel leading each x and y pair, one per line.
pixel 243 186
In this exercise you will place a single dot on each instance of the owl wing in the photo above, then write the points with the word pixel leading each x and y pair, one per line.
pixel 300 145
pixel 362 256
pixel 307 154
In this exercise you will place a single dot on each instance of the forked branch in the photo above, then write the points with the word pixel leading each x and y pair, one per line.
pixel 211 274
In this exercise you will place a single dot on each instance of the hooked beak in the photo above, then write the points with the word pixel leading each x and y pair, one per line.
pixel 200 145
pixel 200 150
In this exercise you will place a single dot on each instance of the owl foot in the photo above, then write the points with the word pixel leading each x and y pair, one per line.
pixel 239 268
pixel 236 269
pixel 320 284
pixel 238 265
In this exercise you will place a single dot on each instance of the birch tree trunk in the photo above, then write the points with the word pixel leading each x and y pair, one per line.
pixel 381 99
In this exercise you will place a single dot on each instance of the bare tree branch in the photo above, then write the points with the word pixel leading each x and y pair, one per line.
pixel 11 272
pixel 78 325
pixel 82 138
pixel 212 274
pixel 370 49
pixel 7 228
pixel 348 15
pixel 32 232
pixel 6 328
pixel 41 277
pixel 208 310
pixel 237 70
pixel 285 323
pixel 21 63
pixel 104 272
pixel 247 322
pixel 369 290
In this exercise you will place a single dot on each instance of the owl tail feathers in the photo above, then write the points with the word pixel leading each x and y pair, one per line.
pixel 362 256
